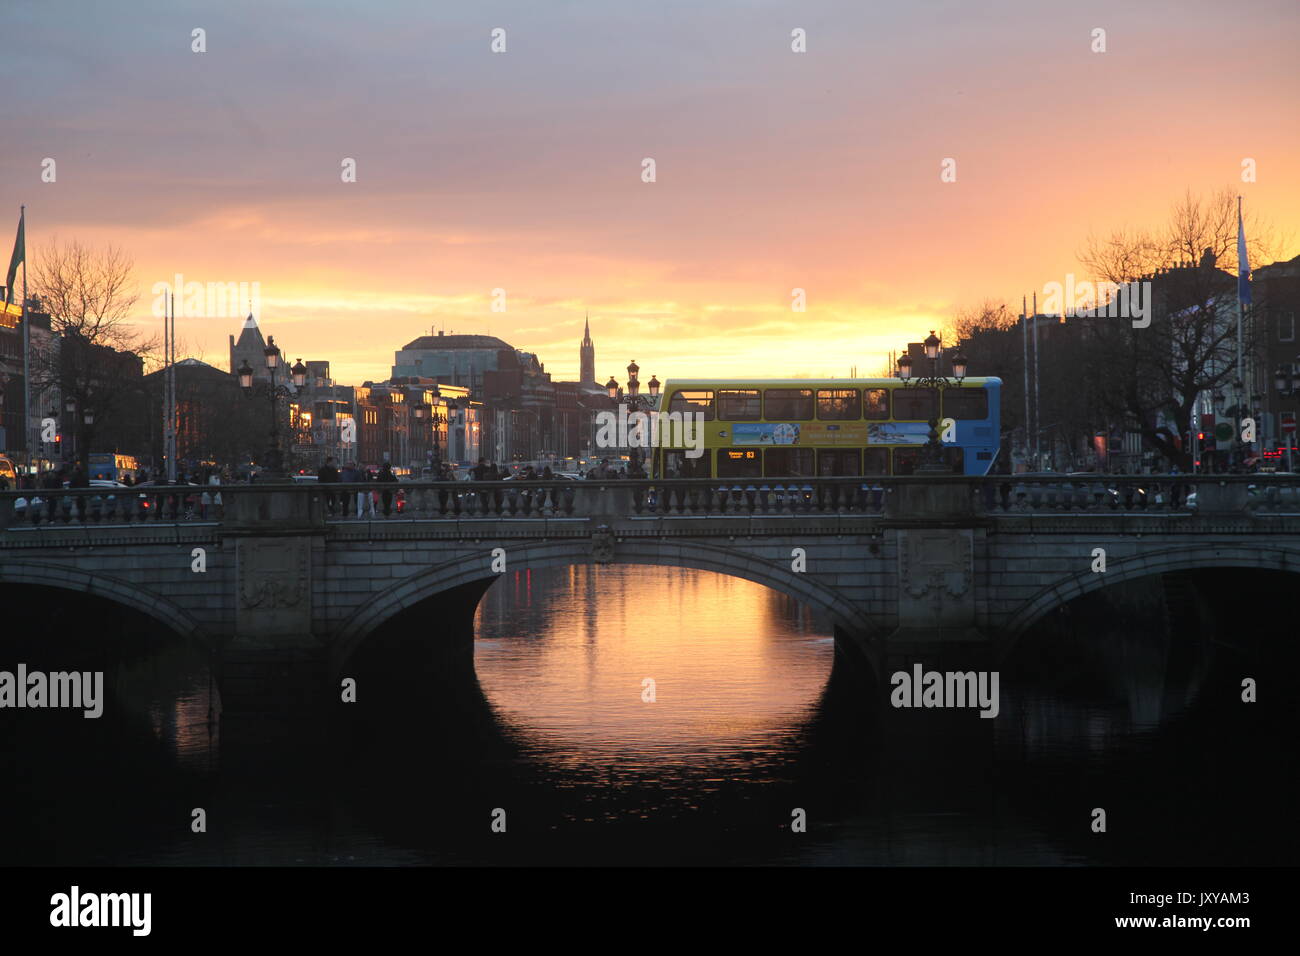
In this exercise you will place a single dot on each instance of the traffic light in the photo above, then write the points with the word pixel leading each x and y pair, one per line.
pixel 1200 436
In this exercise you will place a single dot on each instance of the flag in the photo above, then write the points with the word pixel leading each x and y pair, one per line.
pixel 1243 263
pixel 20 255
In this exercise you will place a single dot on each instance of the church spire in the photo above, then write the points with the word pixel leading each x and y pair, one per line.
pixel 587 355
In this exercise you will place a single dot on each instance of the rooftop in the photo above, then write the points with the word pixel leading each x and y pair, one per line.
pixel 433 342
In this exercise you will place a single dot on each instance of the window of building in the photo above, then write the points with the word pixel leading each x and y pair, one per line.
pixel 789 462
pixel 838 404
pixel 739 405
pixel 966 404
pixel 914 405
pixel 788 404
pixel 740 463
pixel 1286 327
pixel 692 402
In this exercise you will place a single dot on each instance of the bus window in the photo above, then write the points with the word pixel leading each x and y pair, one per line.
pixel 689 401
pixel 875 404
pixel 914 405
pixel 677 465
pixel 876 461
pixel 838 404
pixel 966 404
pixel 837 462
pixel 907 460
pixel 739 405
pixel 788 404
pixel 740 463
pixel 788 462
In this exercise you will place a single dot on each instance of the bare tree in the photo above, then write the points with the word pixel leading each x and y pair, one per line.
pixel 94 356
pixel 1148 373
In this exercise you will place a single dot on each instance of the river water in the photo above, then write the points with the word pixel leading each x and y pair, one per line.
pixel 634 715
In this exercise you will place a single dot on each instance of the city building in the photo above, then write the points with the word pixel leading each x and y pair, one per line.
pixel 1275 302
pixel 44 397
pixel 451 359
pixel 216 425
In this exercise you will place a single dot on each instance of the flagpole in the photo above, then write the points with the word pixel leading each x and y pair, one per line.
pixel 1038 412
pixel 1241 382
pixel 169 384
pixel 166 384
pixel 172 469
pixel 27 349
pixel 1024 338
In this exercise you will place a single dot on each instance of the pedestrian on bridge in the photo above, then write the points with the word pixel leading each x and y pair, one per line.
pixel 328 474
pixel 386 477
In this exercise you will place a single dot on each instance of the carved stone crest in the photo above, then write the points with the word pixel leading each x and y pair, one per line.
pixel 938 561
pixel 602 545
pixel 272 574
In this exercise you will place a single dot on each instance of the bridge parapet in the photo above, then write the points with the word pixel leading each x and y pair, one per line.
pixel 265 507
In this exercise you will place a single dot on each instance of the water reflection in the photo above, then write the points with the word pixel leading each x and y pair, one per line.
pixel 736 668
pixel 754 717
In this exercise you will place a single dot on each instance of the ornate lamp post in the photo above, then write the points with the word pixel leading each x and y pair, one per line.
pixel 274 461
pixel 932 462
pixel 637 402
pixel 436 420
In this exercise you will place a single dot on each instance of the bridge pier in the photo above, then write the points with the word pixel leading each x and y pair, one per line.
pixel 937 534
pixel 273 673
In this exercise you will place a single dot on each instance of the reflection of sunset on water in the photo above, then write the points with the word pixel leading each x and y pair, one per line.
pixel 734 664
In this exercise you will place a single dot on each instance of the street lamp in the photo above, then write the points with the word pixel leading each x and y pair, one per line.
pixel 612 387
pixel 274 462
pixel 932 462
pixel 436 420
pixel 654 387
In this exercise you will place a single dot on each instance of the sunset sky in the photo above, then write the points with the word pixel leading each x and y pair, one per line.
pixel 522 170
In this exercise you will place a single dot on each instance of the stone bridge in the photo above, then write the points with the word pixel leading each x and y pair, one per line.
pixel 276 572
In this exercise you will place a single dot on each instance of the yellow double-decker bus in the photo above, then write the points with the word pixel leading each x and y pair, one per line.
pixel 806 428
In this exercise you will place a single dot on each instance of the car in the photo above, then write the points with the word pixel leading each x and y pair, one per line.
pixel 304 479
pixel 8 473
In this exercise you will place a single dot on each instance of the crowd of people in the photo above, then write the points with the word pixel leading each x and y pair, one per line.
pixel 351 473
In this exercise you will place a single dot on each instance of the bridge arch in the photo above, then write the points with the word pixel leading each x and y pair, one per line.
pixel 649 551
pixel 107 587
pixel 1195 557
